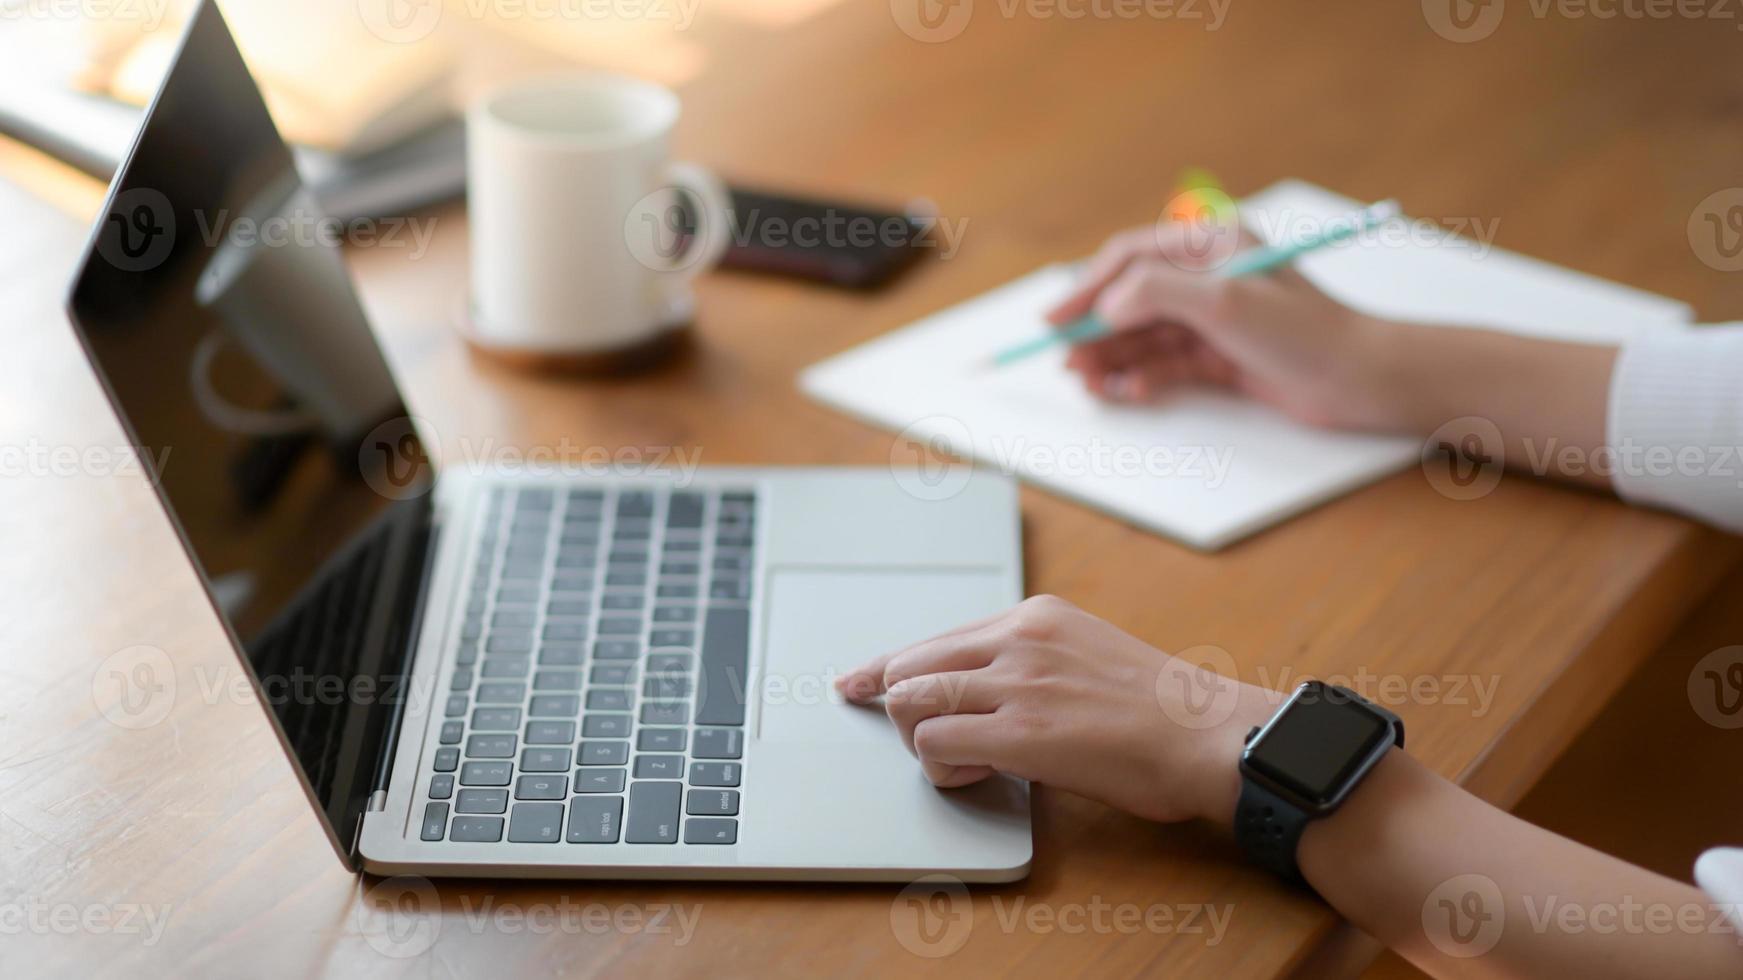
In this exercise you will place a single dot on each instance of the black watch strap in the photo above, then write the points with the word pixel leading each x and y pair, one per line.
pixel 1268 828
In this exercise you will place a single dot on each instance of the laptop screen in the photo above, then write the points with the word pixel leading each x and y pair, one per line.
pixel 216 307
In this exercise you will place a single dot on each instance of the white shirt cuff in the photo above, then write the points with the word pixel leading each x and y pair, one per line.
pixel 1719 872
pixel 1676 422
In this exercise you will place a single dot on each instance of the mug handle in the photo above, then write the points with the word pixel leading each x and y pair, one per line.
pixel 713 218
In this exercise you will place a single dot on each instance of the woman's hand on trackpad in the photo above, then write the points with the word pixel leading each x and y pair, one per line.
pixel 1049 693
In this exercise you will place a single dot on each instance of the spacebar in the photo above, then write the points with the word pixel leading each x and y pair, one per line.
pixel 725 659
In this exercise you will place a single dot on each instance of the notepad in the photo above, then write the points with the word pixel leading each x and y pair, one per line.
pixel 1203 467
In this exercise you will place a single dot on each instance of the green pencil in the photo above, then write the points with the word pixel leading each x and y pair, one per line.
pixel 1252 262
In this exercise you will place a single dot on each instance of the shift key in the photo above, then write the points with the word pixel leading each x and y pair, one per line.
pixel 725 663
pixel 653 813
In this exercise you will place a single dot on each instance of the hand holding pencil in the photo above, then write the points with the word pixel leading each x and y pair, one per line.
pixel 1265 333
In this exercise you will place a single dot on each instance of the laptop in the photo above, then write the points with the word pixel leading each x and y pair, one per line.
pixel 485 671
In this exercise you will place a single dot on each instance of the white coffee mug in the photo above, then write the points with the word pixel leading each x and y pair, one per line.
pixel 577 217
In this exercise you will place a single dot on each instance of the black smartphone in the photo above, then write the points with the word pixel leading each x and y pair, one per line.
pixel 841 244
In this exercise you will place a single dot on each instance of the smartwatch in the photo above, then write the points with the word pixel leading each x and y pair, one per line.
pixel 1302 764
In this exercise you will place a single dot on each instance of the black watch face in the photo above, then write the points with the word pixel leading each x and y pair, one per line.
pixel 1316 745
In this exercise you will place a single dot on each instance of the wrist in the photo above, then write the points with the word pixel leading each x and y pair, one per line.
pixel 1219 767
pixel 1385 382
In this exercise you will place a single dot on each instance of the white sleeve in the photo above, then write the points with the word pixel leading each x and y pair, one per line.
pixel 1719 872
pixel 1676 422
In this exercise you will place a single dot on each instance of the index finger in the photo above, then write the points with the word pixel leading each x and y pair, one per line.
pixel 866 681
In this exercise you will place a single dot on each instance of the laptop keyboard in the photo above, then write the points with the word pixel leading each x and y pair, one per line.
pixel 599 692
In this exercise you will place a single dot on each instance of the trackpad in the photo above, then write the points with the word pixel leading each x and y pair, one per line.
pixel 824 622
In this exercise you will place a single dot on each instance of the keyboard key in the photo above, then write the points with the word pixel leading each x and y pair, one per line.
pixel 733 541
pixel 560 655
pixel 486 829
pixel 712 802
pixel 711 830
pixel 521 642
pixel 551 760
pixel 570 607
pixel 462 680
pixel 714 774
pixel 513 618
pixel 613 675
pixel 451 732
pixel 669 663
pixel 628 553
pixel 635 503
pixel 653 813
pixel 659 767
pixel 627 580
pixel 674 614
pixel 541 787
pixel 620 626
pixel 684 510
pixel 550 732
pixel 536 823
pixel 555 705
pixel 457 705
pixel 607 699
pixel 435 821
pixel 599 780
pixel 557 680
pixel 622 600
pixel 617 650
pixel 718 743
pixel 660 740
pixel 517 595
pixel 683 545
pixel 676 590
pixel 482 801
pixel 565 631
pixel 666 687
pixel 672 638
pixel 665 714
pixel 491 746
pixel 486 773
pixel 567 584
pixel 502 693
pixel 605 726
pixel 680 568
pixel 734 589
pixel 496 720
pixel 732 564
pixel 441 787
pixel 500 668
pixel 604 753
pixel 725 657
pixel 595 819
pixel 447 759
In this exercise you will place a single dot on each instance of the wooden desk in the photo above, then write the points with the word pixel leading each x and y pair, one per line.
pixel 1589 140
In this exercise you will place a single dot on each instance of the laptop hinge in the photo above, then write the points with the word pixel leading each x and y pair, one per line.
pixel 408 604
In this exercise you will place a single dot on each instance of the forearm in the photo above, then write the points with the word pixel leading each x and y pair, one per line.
pixel 1418 863
pixel 1549 399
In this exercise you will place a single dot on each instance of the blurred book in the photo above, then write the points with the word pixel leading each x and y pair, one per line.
pixel 389 139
